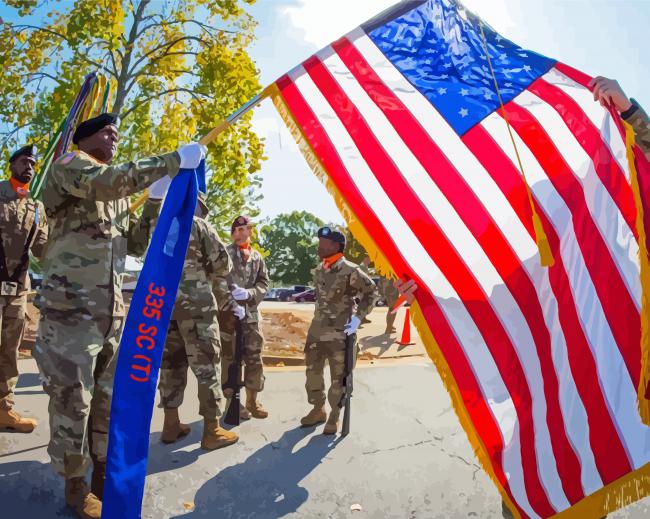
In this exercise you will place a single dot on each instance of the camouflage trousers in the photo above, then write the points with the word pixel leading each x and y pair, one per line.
pixel 194 344
pixel 253 367
pixel 12 321
pixel 316 353
pixel 76 358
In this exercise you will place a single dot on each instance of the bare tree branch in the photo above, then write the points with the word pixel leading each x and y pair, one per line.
pixel 36 75
pixel 23 27
pixel 139 102
pixel 167 46
pixel 203 26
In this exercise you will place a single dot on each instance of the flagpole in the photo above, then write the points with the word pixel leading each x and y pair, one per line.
pixel 214 133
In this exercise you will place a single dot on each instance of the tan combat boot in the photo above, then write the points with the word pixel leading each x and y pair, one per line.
pixel 314 417
pixel 81 500
pixel 173 429
pixel 332 424
pixel 255 408
pixel 216 437
pixel 10 419
pixel 244 414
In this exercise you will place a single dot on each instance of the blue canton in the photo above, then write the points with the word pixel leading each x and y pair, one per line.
pixel 437 46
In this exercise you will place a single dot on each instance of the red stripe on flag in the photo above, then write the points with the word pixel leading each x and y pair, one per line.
pixel 609 453
pixel 591 141
pixel 469 389
pixel 450 263
pixel 492 241
pixel 620 310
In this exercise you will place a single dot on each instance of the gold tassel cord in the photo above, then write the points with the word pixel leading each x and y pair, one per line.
pixel 545 254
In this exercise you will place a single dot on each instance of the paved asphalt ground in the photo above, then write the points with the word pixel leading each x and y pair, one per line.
pixel 406 457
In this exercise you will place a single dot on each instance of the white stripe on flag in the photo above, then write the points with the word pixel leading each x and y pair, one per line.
pixel 508 221
pixel 600 118
pixel 479 357
pixel 473 256
pixel 619 391
pixel 606 215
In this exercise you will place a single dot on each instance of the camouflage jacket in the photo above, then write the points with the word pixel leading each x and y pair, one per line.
pixel 204 286
pixel 17 216
pixel 342 290
pixel 251 275
pixel 640 121
pixel 388 290
pixel 92 230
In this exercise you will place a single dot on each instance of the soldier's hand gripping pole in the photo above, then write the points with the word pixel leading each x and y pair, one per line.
pixel 235 378
pixel 350 341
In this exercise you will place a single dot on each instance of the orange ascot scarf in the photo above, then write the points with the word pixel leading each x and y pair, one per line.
pixel 245 249
pixel 330 260
pixel 21 189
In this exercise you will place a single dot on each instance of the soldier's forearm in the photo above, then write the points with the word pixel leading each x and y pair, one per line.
pixel 640 122
pixel 141 229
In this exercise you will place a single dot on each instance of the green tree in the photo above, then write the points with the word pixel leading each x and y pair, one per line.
pixel 290 242
pixel 177 67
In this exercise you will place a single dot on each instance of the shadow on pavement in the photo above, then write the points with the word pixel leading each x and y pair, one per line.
pixel 266 484
pixel 165 457
pixel 383 342
pixel 30 489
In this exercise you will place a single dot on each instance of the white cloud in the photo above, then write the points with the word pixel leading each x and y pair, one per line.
pixel 324 21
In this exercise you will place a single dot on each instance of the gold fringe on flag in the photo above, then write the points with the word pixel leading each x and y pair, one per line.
pixel 644 379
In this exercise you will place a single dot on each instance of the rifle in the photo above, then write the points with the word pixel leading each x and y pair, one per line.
pixel 350 341
pixel 235 376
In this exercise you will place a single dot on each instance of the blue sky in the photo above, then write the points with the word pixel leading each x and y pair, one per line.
pixel 599 37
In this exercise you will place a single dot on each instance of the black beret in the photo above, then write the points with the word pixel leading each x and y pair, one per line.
pixel 28 151
pixel 240 221
pixel 330 234
pixel 92 126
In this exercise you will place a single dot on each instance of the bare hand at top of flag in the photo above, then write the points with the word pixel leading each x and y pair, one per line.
pixel 608 91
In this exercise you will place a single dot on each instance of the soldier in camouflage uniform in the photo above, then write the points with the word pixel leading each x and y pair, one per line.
pixel 193 336
pixel 608 91
pixel 344 296
pixel 390 295
pixel 82 311
pixel 23 229
pixel 249 281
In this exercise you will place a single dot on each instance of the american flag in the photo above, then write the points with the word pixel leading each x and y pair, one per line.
pixel 402 116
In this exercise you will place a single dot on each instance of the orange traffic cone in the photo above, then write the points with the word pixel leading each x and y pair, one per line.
pixel 406 331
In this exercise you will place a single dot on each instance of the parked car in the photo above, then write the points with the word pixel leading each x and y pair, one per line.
pixel 380 297
pixel 284 294
pixel 35 279
pixel 307 296
pixel 272 294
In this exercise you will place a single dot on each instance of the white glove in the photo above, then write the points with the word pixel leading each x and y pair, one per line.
pixel 191 155
pixel 158 189
pixel 240 294
pixel 239 312
pixel 352 325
